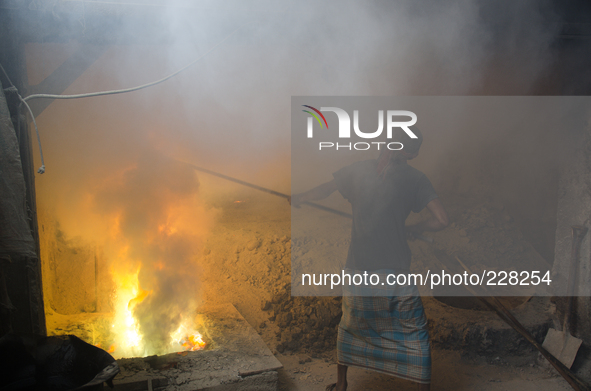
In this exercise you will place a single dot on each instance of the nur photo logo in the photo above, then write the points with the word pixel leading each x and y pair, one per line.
pixel 402 119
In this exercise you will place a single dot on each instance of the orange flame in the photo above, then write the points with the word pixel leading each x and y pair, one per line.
pixel 191 343
pixel 142 294
pixel 111 349
pixel 178 216
pixel 187 339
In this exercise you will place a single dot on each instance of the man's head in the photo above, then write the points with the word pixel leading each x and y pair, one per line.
pixel 409 151
pixel 411 145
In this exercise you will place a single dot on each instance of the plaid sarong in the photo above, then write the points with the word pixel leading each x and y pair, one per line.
pixel 386 334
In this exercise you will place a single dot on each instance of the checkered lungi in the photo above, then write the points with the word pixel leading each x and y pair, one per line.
pixel 386 334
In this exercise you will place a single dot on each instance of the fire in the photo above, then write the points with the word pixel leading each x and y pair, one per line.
pixel 146 222
pixel 125 327
pixel 187 340
pixel 111 348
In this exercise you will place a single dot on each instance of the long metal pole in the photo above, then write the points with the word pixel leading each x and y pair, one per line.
pixel 287 196
pixel 264 189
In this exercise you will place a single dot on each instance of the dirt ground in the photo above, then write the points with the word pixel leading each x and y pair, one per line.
pixel 451 372
pixel 247 263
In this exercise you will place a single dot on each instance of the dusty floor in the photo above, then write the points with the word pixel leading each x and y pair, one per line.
pixel 451 371
pixel 246 261
pixel 252 262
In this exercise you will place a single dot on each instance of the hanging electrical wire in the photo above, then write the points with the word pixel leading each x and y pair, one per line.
pixel 113 92
pixel 12 88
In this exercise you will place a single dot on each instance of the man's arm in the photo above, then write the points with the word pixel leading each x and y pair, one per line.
pixel 436 222
pixel 315 194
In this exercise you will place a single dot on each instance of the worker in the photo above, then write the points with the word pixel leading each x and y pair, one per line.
pixel 385 332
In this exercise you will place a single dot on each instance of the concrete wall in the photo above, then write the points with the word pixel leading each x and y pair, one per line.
pixel 76 277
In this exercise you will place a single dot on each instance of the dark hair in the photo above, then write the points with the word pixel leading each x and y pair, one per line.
pixel 411 145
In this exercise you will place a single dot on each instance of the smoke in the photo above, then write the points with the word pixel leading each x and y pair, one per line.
pixel 230 112
pixel 231 109
pixel 161 222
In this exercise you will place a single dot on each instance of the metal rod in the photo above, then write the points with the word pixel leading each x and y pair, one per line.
pixel 287 196
pixel 502 311
pixel 264 189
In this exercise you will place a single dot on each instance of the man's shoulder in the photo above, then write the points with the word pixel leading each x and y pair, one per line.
pixel 364 163
pixel 415 171
pixel 361 166
pixel 411 172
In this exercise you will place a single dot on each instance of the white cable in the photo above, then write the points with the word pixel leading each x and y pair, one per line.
pixel 13 89
pixel 41 169
pixel 113 92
